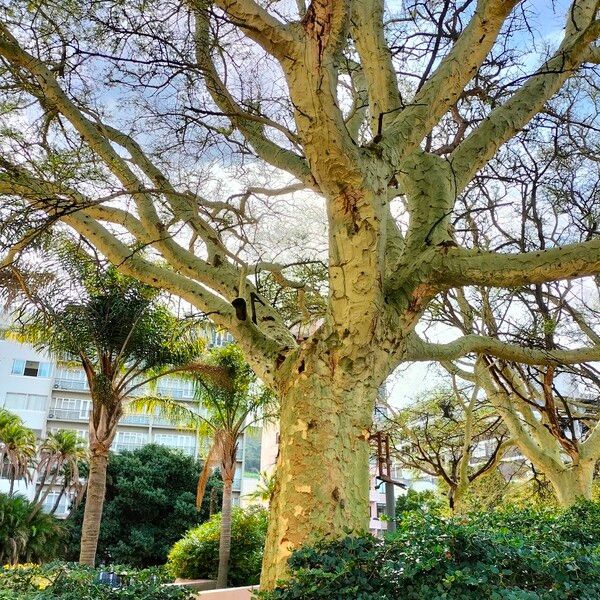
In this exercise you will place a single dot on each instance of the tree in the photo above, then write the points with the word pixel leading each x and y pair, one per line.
pixel 440 435
pixel 230 403
pixel 17 448
pixel 308 94
pixel 59 457
pixel 142 487
pixel 27 535
pixel 124 338
pixel 550 411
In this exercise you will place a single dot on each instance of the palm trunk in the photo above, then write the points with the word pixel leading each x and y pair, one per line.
pixel 106 412
pixel 58 499
pixel 41 482
pixel 42 499
pixel 225 539
pixel 94 503
pixel 12 482
pixel 322 477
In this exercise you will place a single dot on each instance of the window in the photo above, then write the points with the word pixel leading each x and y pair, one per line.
pixel 187 443
pixel 31 368
pixel 71 409
pixel 14 401
pixel 175 387
pixel 63 504
pixel 82 433
pixel 220 338
pixel 130 440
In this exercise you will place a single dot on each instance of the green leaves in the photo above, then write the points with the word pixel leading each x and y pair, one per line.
pixel 64 581
pixel 196 555
pixel 25 534
pixel 532 554
pixel 142 487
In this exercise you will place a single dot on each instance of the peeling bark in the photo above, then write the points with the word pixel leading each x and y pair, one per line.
pixel 322 476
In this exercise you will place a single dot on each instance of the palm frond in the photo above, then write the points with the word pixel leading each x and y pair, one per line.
pixel 178 413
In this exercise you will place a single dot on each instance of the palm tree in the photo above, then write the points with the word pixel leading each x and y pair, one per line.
pixel 118 330
pixel 60 455
pixel 17 448
pixel 265 488
pixel 7 419
pixel 24 537
pixel 229 402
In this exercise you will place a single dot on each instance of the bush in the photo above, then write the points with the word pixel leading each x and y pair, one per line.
pixel 426 501
pixel 196 555
pixel 143 486
pixel 64 581
pixel 512 554
pixel 27 537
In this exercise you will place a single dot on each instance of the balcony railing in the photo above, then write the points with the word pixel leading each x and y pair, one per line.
pixel 169 392
pixel 122 446
pixel 67 414
pixel 71 384
pixel 135 420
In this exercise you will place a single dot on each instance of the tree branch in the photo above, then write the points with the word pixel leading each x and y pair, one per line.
pixel 506 120
pixel 403 131
pixel 459 267
pixel 420 350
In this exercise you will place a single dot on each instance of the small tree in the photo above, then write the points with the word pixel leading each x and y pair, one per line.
pixel 124 338
pixel 439 434
pixel 230 402
pixel 142 487
pixel 60 455
pixel 17 448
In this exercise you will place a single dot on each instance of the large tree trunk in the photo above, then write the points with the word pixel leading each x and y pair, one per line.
pixel 322 477
pixel 94 503
pixel 574 483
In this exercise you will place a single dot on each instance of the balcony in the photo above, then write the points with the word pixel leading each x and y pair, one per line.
pixel 76 385
pixel 123 446
pixel 135 420
pixel 172 392
pixel 66 414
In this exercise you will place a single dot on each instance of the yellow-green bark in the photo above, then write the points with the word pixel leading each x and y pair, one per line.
pixel 322 476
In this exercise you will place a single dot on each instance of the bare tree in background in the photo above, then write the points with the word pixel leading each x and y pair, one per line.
pixel 453 435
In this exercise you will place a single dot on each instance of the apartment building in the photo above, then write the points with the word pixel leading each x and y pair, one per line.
pixel 49 395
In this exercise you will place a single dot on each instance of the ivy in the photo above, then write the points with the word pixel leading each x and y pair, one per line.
pixel 510 554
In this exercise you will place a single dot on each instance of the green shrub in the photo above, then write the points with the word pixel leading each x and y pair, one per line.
pixel 426 501
pixel 25 536
pixel 196 555
pixel 512 554
pixel 143 486
pixel 65 581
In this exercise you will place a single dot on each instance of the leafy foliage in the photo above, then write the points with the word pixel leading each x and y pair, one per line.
pixel 143 487
pixel 104 318
pixel 27 534
pixel 63 581
pixel 530 554
pixel 426 502
pixel 196 555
